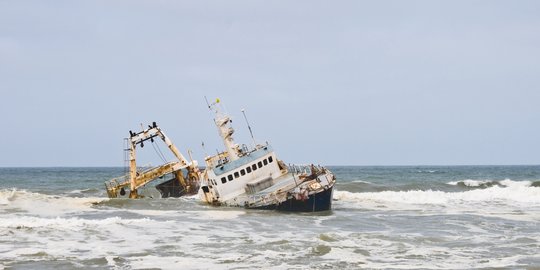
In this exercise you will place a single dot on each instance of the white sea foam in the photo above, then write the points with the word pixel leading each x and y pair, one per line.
pixel 156 213
pixel 80 191
pixel 510 183
pixel 362 182
pixel 152 261
pixel 217 215
pixel 6 196
pixel 514 192
pixel 208 238
pixel 386 250
pixel 64 223
pixel 45 205
pixel 478 183
pixel 200 215
pixel 470 182
pixel 83 238
pixel 516 203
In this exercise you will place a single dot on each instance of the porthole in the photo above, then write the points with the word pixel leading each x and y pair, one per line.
pixel 270 159
pixel 223 180
pixel 260 164
pixel 230 177
pixel 265 162
pixel 242 172
pixel 248 169
pixel 236 175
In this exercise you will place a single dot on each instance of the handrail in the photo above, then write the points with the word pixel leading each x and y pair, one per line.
pixel 304 169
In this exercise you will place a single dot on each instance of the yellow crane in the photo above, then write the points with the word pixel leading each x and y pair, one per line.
pixel 180 184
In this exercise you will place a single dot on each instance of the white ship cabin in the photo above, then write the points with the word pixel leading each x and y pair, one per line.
pixel 250 173
pixel 237 170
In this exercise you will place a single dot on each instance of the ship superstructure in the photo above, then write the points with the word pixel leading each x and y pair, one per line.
pixel 256 178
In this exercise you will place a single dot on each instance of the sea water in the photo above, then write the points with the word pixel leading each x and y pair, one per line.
pixel 470 217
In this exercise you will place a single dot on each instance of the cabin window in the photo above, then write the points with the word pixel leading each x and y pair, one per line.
pixel 223 180
pixel 270 159
pixel 254 167
pixel 260 164
pixel 248 169
pixel 242 172
pixel 236 175
pixel 230 177
pixel 265 162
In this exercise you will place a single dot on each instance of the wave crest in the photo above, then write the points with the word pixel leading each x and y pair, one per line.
pixel 508 192
pixel 490 183
pixel 64 223
pixel 43 204
pixel 473 183
pixel 6 196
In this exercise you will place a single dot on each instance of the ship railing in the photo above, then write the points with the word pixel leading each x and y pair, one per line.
pixel 118 181
pixel 300 173
pixel 123 180
pixel 297 169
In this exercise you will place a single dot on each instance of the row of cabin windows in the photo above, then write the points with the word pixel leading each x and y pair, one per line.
pixel 248 169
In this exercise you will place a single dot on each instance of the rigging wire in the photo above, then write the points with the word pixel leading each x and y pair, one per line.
pixel 162 155
pixel 159 153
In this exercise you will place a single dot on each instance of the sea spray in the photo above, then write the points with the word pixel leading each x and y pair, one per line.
pixel 405 217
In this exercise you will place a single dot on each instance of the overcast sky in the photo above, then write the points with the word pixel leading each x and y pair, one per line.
pixel 329 82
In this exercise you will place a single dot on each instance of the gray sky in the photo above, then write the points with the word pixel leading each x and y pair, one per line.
pixel 329 82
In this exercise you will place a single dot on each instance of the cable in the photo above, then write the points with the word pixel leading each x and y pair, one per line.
pixel 162 155
pixel 158 152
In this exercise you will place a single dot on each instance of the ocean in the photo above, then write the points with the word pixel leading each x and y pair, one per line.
pixel 405 217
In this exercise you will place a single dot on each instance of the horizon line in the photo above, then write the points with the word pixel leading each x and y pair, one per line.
pixel 384 165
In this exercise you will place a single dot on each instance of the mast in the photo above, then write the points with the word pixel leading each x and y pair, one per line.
pixel 132 170
pixel 136 179
pixel 223 123
pixel 249 127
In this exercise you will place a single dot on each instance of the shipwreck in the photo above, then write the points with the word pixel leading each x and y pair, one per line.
pixel 239 176
pixel 184 175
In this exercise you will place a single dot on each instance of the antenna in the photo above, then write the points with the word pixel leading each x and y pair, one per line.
pixel 204 149
pixel 249 127
pixel 207 103
pixel 214 103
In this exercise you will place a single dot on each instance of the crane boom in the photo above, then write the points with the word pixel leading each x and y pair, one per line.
pixel 135 179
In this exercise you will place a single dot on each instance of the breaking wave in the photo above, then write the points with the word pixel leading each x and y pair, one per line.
pixel 361 182
pixel 27 222
pixel 490 183
pixel 6 196
pixel 85 191
pixel 508 191
pixel 43 204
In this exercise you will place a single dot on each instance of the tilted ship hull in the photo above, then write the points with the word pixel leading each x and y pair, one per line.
pixel 316 202
pixel 255 178
pixel 300 189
